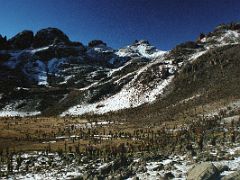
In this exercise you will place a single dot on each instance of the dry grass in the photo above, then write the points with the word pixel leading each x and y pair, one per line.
pixel 38 134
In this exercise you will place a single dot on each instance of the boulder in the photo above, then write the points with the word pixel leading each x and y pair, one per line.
pixel 221 168
pixel 168 175
pixel 49 36
pixel 105 169
pixel 159 167
pixel 232 176
pixel 22 40
pixel 203 171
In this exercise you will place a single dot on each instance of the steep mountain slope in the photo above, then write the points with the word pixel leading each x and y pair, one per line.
pixel 160 76
pixel 50 73
pixel 60 77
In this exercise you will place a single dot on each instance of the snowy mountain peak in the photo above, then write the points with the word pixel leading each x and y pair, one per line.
pixel 141 48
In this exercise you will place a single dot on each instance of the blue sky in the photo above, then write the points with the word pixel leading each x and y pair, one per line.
pixel 165 23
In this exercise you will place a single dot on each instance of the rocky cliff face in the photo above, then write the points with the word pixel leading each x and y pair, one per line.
pixel 47 73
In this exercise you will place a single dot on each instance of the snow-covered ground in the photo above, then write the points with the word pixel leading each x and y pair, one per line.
pixel 229 36
pixel 181 164
pixel 39 167
pixel 126 98
pixel 14 60
pixel 12 111
pixel 180 168
pixel 18 113
pixel 43 165
pixel 37 71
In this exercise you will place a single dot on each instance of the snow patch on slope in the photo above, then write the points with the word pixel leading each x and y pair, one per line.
pixel 12 110
pixel 40 49
pixel 228 36
pixel 224 38
pixel 53 65
pixel 18 113
pixel 97 52
pixel 128 97
pixel 142 49
pixel 14 60
pixel 36 71
pixel 197 55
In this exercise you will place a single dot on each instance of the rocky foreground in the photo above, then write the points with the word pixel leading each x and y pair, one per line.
pixel 214 154
pixel 222 163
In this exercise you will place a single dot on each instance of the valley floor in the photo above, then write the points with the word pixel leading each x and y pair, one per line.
pixel 76 148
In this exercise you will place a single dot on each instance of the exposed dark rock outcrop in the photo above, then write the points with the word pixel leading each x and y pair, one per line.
pixel 94 43
pixel 59 52
pixel 22 40
pixel 49 36
pixel 203 171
